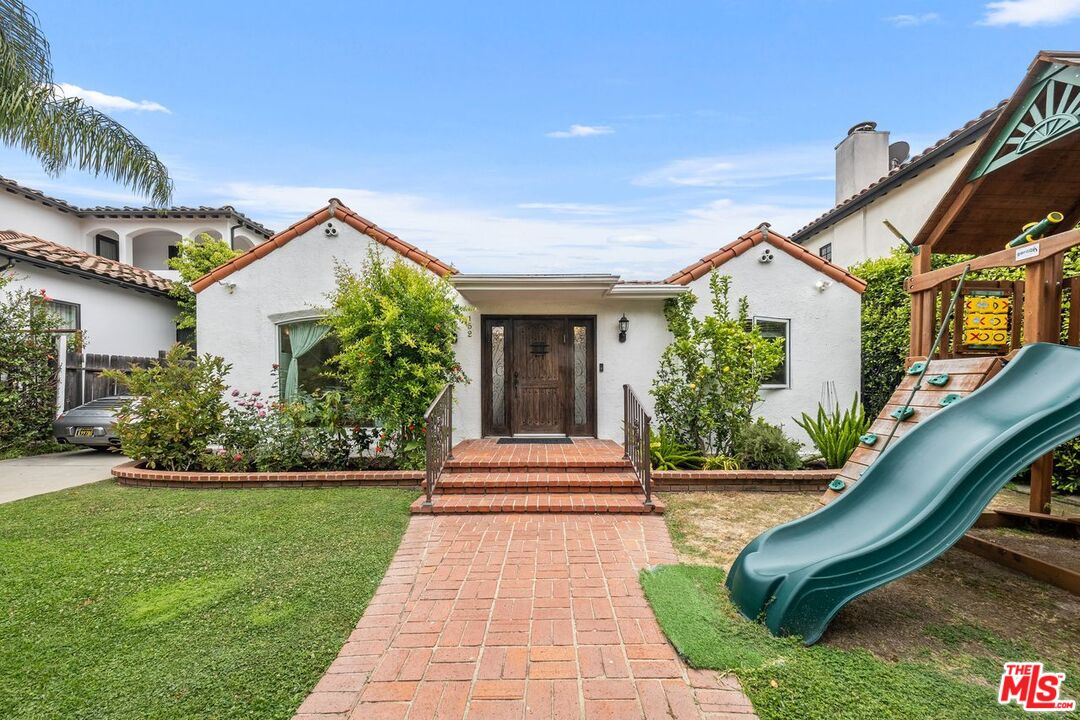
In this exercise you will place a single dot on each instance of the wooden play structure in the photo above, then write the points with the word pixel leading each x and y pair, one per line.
pixel 1016 204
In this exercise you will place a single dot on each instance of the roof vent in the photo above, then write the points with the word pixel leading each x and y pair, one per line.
pixel 330 230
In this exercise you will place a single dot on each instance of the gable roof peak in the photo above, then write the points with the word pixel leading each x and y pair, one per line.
pixel 758 235
pixel 334 209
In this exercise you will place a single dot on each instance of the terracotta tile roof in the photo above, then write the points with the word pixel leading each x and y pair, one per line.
pixel 35 250
pixel 333 210
pixel 178 211
pixel 970 130
pixel 758 235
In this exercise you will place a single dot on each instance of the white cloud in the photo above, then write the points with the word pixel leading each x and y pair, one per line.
pixel 1031 12
pixel 488 240
pixel 101 101
pixel 753 169
pixel 567 208
pixel 913 20
pixel 582 131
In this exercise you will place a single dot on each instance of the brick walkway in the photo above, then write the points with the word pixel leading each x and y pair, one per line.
pixel 519 616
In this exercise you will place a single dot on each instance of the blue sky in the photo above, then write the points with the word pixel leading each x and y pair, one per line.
pixel 627 137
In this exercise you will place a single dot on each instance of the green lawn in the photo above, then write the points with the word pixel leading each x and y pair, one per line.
pixel 786 680
pixel 130 603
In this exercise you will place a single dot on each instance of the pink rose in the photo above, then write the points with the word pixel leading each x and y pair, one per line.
pixel 259 405
pixel 235 393
pixel 237 457
pixel 262 413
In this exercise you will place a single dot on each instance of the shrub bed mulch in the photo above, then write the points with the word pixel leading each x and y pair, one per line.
pixel 758 480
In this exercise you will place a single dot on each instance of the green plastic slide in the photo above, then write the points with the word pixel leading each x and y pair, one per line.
pixel 917 499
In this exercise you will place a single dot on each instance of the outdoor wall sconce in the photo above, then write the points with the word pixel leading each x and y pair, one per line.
pixel 624 325
pixel 822 285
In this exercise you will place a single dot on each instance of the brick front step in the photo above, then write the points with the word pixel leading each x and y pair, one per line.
pixel 550 482
pixel 539 503
pixel 501 465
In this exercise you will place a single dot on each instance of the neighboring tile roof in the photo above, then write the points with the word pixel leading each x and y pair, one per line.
pixel 748 240
pixel 333 210
pixel 34 250
pixel 180 211
pixel 969 132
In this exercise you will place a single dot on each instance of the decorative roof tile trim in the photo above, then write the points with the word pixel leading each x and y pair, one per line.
pixel 29 193
pixel 30 248
pixel 970 131
pixel 333 210
pixel 748 240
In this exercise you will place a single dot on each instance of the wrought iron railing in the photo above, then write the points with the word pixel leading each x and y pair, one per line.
pixel 636 440
pixel 439 429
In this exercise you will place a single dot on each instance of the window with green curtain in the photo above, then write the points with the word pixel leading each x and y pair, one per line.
pixel 306 347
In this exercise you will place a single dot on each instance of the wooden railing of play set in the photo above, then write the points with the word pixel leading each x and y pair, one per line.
pixel 997 317
pixel 636 433
pixel 439 429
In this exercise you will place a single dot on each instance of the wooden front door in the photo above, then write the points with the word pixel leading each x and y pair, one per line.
pixel 536 379
pixel 538 375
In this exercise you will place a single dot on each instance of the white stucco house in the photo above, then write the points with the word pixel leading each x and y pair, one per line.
pixel 875 181
pixel 105 269
pixel 545 353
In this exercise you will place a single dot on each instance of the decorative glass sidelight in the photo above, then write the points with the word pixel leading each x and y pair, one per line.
pixel 581 376
pixel 498 376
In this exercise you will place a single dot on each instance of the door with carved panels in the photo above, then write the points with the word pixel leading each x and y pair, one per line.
pixel 538 376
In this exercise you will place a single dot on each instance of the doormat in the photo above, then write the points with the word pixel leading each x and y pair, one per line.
pixel 534 441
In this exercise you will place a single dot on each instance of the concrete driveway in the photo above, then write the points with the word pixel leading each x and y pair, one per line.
pixel 23 477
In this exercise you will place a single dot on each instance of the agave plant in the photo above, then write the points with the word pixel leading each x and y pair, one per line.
pixel 670 454
pixel 836 433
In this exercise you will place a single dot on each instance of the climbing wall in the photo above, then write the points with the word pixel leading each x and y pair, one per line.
pixel 945 382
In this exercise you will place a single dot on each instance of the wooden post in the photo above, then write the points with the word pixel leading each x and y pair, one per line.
pixel 1042 317
pixel 922 308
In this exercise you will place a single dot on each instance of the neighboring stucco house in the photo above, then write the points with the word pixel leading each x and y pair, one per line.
pixel 876 182
pixel 105 269
pixel 544 352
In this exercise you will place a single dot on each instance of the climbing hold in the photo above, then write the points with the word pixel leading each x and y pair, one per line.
pixel 868 438
pixel 949 399
pixel 916 368
pixel 838 485
pixel 902 413
pixel 938 380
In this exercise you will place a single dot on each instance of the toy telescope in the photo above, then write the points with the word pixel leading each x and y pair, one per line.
pixel 1034 231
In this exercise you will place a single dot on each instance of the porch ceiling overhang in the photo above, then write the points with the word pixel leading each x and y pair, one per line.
pixel 563 287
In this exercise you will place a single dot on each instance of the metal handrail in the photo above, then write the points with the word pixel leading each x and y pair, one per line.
pixel 636 433
pixel 439 437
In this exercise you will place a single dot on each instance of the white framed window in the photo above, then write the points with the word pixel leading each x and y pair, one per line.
pixel 777 328
pixel 304 349
pixel 70 314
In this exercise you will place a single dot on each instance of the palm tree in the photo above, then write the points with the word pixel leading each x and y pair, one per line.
pixel 62 132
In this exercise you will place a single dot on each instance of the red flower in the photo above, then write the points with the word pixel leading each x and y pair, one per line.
pixel 237 457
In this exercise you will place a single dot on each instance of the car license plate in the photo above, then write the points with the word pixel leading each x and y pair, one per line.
pixel 84 432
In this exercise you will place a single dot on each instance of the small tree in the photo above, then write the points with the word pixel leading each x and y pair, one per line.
pixel 711 373
pixel 177 411
pixel 195 258
pixel 27 367
pixel 397 325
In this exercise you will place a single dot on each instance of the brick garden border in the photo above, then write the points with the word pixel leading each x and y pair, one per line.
pixel 758 480
pixel 131 473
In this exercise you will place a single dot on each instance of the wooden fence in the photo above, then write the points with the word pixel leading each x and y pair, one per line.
pixel 83 380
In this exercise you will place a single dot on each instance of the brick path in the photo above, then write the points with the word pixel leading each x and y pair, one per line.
pixel 519 616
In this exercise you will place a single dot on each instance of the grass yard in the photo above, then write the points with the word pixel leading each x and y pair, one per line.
pixel 130 603
pixel 928 645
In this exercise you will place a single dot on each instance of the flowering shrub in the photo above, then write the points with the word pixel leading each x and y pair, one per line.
pixel 310 432
pixel 27 368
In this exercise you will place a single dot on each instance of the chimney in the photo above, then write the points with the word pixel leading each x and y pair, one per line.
pixel 861 158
